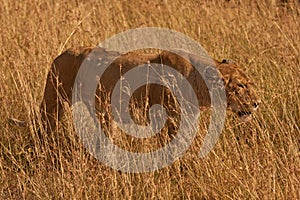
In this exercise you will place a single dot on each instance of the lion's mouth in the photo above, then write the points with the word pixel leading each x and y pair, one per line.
pixel 244 113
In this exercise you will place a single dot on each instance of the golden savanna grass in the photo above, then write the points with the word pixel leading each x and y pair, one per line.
pixel 258 159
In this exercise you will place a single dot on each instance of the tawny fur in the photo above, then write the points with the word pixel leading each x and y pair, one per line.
pixel 241 96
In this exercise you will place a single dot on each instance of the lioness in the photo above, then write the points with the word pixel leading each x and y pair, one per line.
pixel 241 96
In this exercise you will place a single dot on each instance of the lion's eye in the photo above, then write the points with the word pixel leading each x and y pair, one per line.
pixel 241 85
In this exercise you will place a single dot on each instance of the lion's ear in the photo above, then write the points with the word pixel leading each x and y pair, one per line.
pixel 228 61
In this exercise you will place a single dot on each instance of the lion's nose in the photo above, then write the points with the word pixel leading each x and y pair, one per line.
pixel 255 105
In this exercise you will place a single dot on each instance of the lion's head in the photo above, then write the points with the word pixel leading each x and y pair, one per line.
pixel 240 90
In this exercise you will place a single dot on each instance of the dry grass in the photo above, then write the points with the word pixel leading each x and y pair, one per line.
pixel 254 160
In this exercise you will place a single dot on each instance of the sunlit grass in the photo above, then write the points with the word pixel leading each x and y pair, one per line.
pixel 254 160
